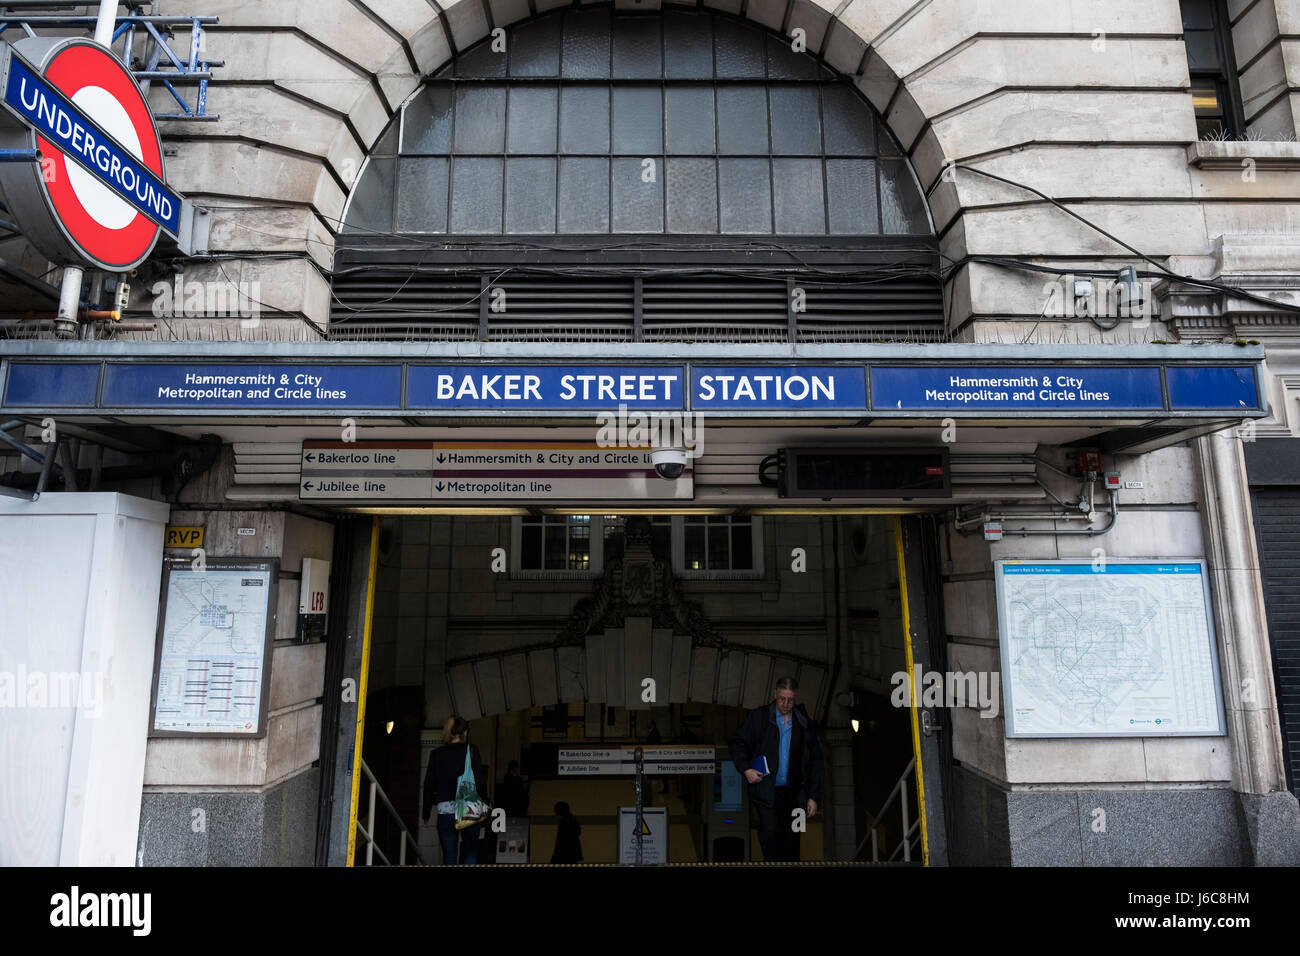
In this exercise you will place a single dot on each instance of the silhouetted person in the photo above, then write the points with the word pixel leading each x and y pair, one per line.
pixel 568 848
pixel 512 795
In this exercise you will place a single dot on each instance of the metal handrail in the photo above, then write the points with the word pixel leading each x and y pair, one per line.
pixel 910 826
pixel 367 831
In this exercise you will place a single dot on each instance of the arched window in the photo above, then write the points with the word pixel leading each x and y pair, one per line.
pixel 635 177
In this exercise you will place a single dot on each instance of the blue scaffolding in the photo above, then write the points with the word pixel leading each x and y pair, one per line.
pixel 145 44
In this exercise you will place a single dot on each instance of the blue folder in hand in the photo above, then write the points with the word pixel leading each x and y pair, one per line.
pixel 760 765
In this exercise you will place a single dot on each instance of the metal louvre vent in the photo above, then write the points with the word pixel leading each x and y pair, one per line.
pixel 382 304
pixel 714 309
pixel 379 305
pixel 540 308
pixel 897 308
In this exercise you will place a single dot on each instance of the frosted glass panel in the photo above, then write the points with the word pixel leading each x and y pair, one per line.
pixel 638 48
pixel 638 120
pixel 796 120
pixel 480 119
pixel 584 119
pixel 742 114
pixel 689 119
pixel 688 46
pixel 371 209
pixel 584 195
pixel 901 207
pixel 638 205
pixel 427 120
pixel 531 121
pixel 692 196
pixel 422 194
pixel 530 195
pixel 476 196
pixel 850 127
pixel 851 197
pixel 738 50
pixel 799 204
pixel 535 49
pixel 784 64
pixel 745 190
pixel 586 45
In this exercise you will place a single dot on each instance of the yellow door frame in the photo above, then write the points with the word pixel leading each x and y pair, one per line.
pixel 361 690
pixel 911 679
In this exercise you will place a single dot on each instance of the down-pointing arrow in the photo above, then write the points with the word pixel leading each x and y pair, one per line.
pixel 439 486
pixel 441 458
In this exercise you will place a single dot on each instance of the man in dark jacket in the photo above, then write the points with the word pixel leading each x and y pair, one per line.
pixel 787 737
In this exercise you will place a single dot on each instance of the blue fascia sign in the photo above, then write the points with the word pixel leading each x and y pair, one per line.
pixel 248 386
pixel 59 120
pixel 778 388
pixel 880 391
pixel 543 387
pixel 944 388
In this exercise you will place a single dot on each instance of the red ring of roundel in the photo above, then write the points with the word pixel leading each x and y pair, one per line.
pixel 71 69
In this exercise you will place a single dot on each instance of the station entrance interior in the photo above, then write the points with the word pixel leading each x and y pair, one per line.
pixel 519 622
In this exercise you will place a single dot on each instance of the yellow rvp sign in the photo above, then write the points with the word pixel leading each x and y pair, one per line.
pixel 183 536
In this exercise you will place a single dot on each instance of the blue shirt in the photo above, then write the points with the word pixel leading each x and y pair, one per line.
pixel 785 724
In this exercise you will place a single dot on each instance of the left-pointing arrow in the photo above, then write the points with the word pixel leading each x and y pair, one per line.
pixel 306 486
pixel 310 457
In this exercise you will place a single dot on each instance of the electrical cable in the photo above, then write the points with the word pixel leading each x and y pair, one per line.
pixel 275 309
pixel 1165 271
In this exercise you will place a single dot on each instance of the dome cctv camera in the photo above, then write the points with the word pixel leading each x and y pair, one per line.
pixel 669 462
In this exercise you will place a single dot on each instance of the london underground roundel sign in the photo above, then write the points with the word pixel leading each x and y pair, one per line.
pixel 98 196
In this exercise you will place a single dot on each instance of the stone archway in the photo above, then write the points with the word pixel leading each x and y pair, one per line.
pixel 317 82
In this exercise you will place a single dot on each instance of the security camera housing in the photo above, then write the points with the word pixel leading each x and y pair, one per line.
pixel 670 463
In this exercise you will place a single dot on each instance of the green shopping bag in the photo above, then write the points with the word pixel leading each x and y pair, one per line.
pixel 470 807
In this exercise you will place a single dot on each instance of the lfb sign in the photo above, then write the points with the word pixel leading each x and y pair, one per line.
pixel 314 591
pixel 98 194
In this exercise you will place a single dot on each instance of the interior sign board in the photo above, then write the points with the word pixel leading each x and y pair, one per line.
pixel 483 471
pixel 394 456
pixel 621 761
pixel 99 196
pixel 1120 648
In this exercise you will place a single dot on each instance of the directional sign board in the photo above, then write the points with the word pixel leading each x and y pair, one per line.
pixel 482 471
pixel 98 195
pixel 620 761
